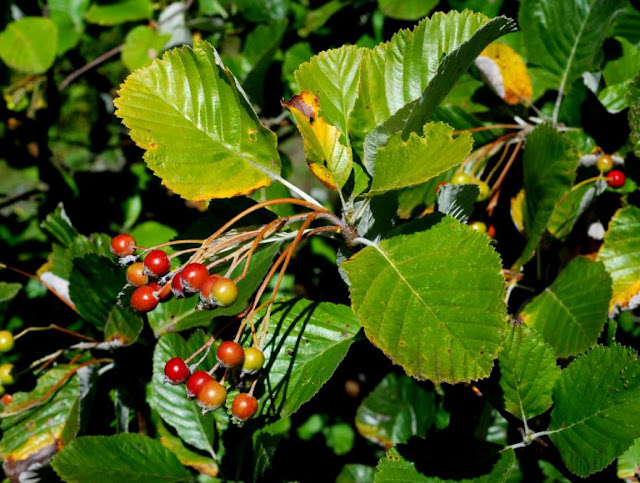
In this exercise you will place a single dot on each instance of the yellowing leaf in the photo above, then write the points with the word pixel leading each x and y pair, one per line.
pixel 517 202
pixel 329 160
pixel 505 72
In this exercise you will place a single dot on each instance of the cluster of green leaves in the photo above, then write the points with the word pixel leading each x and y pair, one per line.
pixel 380 125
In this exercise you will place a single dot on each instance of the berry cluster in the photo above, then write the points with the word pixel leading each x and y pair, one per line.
pixel 615 178
pixel 210 393
pixel 155 282
pixel 7 374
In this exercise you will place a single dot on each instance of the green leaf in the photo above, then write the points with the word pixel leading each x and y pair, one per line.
pixel 596 414
pixel 94 284
pixel 333 76
pixel 119 11
pixel 614 97
pixel 181 314
pixel 8 291
pixel 395 468
pixel 171 401
pixel 318 17
pixel 406 293
pixel 565 38
pixel 401 164
pixel 528 372
pixel 629 461
pixel 397 409
pixel 456 200
pixel 201 137
pixel 266 442
pixel 202 464
pixel 627 24
pixel 633 98
pixel 625 67
pixel 571 206
pixel 572 311
pixel 59 226
pixel 489 8
pixel 407 9
pixel 68 16
pixel 305 344
pixel 294 57
pixel 123 457
pixel 403 81
pixel 340 438
pixel 35 435
pixel 29 44
pixel 620 254
pixel 549 166
pixel 141 46
pixel 123 326
pixel 356 473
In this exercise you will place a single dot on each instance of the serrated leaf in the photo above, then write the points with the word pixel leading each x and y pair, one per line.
pixel 59 226
pixel 171 401
pixel 404 80
pixel 123 457
pixel 68 16
pixel 549 166
pixel 123 326
pixel 505 72
pixel 572 311
pixel 141 46
pixel 456 200
pixel 94 284
pixel 407 9
pixel 29 44
pixel 633 98
pixel 406 293
pixel 401 164
pixel 181 314
pixel 119 11
pixel 620 254
pixel 596 414
pixel 397 409
pixel 201 137
pixel 528 372
pixel 564 38
pixel 393 467
pixel 328 159
pixel 333 76
pixel 305 344
pixel 202 464
pixel 34 436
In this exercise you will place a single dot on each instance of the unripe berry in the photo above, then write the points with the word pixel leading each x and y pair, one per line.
pixel 604 163
pixel 253 360
pixel 212 395
pixel 136 275
pixel 478 226
pixel 230 354
pixel 224 292
pixel 123 245
pixel 7 374
pixel 616 178
pixel 484 189
pixel 193 276
pixel 196 381
pixel 157 263
pixel 144 299
pixel 205 288
pixel 6 341
pixel 244 406
pixel 176 371
pixel 461 178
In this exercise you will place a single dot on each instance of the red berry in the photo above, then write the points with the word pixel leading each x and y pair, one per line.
pixel 230 354
pixel 224 292
pixel 244 406
pixel 616 178
pixel 6 399
pixel 212 395
pixel 145 299
pixel 491 231
pixel 157 263
pixel 123 245
pixel 176 286
pixel 209 282
pixel 136 275
pixel 176 371
pixel 196 381
pixel 163 292
pixel 193 276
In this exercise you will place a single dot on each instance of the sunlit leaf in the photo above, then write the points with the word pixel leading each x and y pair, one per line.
pixel 119 11
pixel 141 46
pixel 407 9
pixel 29 44
pixel 68 16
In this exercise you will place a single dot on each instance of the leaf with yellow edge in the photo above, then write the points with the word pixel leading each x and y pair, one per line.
pixel 620 254
pixel 329 160
pixel 203 464
pixel 202 137
pixel 505 72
